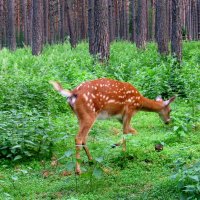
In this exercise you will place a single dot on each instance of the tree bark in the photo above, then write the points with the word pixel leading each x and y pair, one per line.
pixel 194 20
pixel 101 35
pixel 73 40
pixel 11 25
pixel 61 23
pixel 2 23
pixel 176 38
pixel 37 27
pixel 24 13
pixel 46 20
pixel 91 25
pixel 29 21
pixel 111 25
pixel 162 26
pixel 153 4
pixel 133 24
pixel 141 27
pixel 198 12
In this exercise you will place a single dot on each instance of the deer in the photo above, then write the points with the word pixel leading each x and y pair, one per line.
pixel 103 98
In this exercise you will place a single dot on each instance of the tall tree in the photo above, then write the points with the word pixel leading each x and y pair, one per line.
pixel 72 34
pixel 37 27
pixel 46 20
pixel 124 20
pixel 117 5
pixel 61 21
pixel 162 26
pixel 133 24
pixel 91 25
pixel 83 20
pixel 194 20
pixel 2 23
pixel 110 17
pixel 176 37
pixel 198 13
pixel 11 25
pixel 101 46
pixel 24 14
pixel 141 24
pixel 29 21
pixel 153 6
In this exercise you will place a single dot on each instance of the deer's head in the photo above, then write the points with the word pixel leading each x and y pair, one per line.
pixel 165 112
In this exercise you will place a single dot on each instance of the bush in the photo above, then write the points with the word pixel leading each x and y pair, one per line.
pixel 24 134
pixel 188 179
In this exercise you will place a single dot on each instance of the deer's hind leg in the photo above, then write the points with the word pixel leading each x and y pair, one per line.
pixel 84 127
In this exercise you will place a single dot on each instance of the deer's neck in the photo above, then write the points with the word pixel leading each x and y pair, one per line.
pixel 151 105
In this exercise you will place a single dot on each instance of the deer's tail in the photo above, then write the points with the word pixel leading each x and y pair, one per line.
pixel 58 87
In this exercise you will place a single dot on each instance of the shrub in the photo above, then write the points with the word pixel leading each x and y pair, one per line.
pixel 24 134
pixel 188 179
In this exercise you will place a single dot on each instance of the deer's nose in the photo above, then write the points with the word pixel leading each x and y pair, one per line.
pixel 167 122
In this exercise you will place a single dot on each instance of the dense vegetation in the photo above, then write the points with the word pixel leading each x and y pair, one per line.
pixel 37 128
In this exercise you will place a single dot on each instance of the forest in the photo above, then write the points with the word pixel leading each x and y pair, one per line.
pixel 152 45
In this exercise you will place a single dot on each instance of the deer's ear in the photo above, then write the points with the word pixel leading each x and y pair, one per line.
pixel 159 98
pixel 169 101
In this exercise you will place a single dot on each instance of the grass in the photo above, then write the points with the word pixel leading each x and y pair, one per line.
pixel 141 172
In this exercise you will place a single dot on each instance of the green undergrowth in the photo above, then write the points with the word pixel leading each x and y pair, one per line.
pixel 37 128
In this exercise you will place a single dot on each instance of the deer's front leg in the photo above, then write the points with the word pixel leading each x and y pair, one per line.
pixel 126 126
pixel 126 122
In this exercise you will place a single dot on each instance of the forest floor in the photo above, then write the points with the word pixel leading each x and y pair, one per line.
pixel 140 173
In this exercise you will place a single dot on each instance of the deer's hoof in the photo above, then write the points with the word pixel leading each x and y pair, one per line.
pixel 78 172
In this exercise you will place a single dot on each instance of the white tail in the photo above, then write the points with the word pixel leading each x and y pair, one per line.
pixel 103 98
pixel 57 86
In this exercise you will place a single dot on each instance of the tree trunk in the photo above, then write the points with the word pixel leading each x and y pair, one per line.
pixel 29 21
pixel 176 38
pixel 153 4
pixel 198 12
pixel 37 27
pixel 46 20
pixel 101 35
pixel 117 18
pixel 72 35
pixel 24 13
pixel 11 25
pixel 141 27
pixel 133 24
pixel 110 14
pixel 2 23
pixel 52 12
pixel 91 25
pixel 194 20
pixel 83 21
pixel 62 17
pixel 162 26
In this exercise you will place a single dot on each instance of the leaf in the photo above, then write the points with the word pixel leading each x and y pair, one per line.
pixel 70 166
pixel 24 171
pixel 99 159
pixel 176 128
pixel 16 146
pixel 17 157
pixel 30 142
pixel 14 178
pixel 189 188
pixel 98 172
pixel 68 153
pixel 195 178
